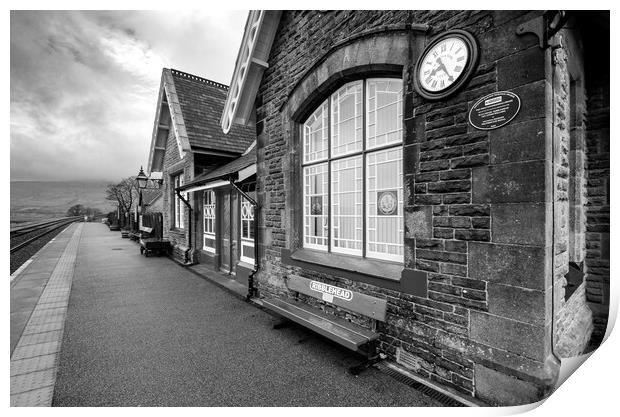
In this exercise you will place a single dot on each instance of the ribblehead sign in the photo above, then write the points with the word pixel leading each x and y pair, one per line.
pixel 331 290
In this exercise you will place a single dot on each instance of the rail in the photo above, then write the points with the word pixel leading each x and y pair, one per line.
pixel 43 227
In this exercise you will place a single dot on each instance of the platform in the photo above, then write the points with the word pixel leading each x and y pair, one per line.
pixel 143 331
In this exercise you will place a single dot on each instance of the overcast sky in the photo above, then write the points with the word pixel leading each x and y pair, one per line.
pixel 84 84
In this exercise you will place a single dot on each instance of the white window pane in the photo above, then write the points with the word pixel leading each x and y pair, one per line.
pixel 178 204
pixel 315 135
pixel 384 112
pixel 346 125
pixel 315 206
pixel 347 205
pixel 384 205
pixel 247 220
pixel 209 212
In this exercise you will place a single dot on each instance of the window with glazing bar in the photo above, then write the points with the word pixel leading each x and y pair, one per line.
pixel 179 212
pixel 352 171
pixel 209 221
pixel 247 231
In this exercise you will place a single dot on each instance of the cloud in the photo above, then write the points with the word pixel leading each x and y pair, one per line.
pixel 84 84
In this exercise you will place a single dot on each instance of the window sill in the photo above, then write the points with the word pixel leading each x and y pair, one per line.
pixel 383 274
pixel 379 269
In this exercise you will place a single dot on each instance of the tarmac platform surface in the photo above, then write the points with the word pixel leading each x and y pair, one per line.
pixel 148 332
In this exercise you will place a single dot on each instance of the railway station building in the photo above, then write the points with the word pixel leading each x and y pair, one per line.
pixel 439 179
pixel 205 217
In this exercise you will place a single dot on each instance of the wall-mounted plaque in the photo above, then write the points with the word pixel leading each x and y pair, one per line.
pixel 316 205
pixel 387 203
pixel 495 110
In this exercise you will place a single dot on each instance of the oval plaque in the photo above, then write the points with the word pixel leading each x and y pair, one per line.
pixel 495 110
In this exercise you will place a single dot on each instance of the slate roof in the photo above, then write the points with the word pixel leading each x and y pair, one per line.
pixel 149 196
pixel 202 102
pixel 225 171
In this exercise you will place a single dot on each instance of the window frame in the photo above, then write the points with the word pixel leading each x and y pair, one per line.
pixel 246 241
pixel 212 217
pixel 178 208
pixel 364 164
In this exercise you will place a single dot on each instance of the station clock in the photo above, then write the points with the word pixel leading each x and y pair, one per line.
pixel 446 64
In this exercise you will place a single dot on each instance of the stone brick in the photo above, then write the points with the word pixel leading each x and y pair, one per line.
pixel 509 183
pixel 461 198
pixel 521 68
pixel 470 210
pixel 453 269
pixel 455 174
pixel 476 149
pixel 532 101
pixel 518 142
pixel 428 199
pixel 520 266
pixel 449 186
pixel 469 283
pixel 443 233
pixel 497 388
pixel 474 294
pixel 418 222
pixel 455 246
pixel 523 223
pixel 472 234
pixel 440 221
pixel 452 299
pixel 429 243
pixel 446 131
pixel 443 288
pixel 446 153
pixel 517 303
pixel 427 177
pixel 511 335
pixel 434 166
pixel 459 258
pixel 481 222
pixel 470 161
pixel 426 265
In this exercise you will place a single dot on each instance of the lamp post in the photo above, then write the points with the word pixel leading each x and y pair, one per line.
pixel 145 183
pixel 142 179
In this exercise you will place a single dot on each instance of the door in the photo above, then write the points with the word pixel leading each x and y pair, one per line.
pixel 225 231
pixel 229 227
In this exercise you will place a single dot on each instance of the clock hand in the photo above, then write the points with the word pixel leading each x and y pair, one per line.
pixel 441 65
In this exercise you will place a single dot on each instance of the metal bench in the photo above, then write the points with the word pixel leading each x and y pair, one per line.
pixel 350 335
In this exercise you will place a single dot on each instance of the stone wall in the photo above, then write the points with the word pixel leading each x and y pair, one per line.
pixel 173 165
pixel 478 209
pixel 597 210
pixel 572 317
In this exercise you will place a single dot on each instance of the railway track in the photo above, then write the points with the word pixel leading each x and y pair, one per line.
pixel 36 231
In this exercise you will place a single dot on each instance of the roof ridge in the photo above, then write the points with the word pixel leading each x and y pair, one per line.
pixel 197 78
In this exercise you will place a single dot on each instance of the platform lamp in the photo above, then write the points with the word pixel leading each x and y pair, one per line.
pixel 142 179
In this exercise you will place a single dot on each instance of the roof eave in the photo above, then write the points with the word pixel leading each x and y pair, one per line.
pixel 252 61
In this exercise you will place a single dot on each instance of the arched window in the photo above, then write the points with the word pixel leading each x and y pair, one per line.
pixel 352 171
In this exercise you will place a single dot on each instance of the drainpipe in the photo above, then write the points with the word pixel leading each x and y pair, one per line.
pixel 191 213
pixel 251 289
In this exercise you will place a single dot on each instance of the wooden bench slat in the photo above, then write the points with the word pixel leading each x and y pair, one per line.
pixel 347 334
pixel 367 305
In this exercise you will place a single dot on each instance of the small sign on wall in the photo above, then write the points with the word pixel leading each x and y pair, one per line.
pixel 387 203
pixel 316 205
pixel 330 291
pixel 494 110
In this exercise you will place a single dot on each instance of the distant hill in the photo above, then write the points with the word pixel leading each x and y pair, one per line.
pixel 33 200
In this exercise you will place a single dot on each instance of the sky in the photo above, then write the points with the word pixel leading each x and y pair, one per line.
pixel 84 84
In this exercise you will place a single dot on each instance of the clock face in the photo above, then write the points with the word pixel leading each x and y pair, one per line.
pixel 443 64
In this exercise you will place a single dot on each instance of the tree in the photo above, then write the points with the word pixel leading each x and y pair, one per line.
pixel 76 210
pixel 125 193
